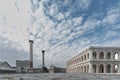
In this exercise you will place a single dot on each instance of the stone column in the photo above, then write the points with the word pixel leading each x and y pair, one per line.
pixel 112 68
pixel 119 68
pixel 112 56
pixel 97 70
pixel 118 55
pixel 90 55
pixel 90 68
pixel 97 55
pixel 43 61
pixel 31 53
pixel 105 55
pixel 105 68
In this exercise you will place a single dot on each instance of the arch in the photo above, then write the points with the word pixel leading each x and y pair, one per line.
pixel 101 68
pixel 23 69
pixel 79 60
pixel 94 68
pixel 108 68
pixel 88 56
pixel 108 55
pixel 84 57
pixel 84 69
pixel 116 68
pixel 87 68
pixel 94 55
pixel 81 68
pixel 101 55
pixel 116 55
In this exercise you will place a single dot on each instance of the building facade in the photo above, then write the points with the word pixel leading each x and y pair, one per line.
pixel 96 60
pixel 22 66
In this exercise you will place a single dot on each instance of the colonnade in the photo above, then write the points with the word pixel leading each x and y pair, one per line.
pixel 96 60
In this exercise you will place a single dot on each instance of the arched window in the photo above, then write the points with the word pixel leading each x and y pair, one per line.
pixel 87 68
pixel 84 57
pixel 88 56
pixel 94 68
pixel 101 68
pixel 108 68
pixel 116 68
pixel 94 55
pixel 101 55
pixel 84 69
pixel 116 55
pixel 79 60
pixel 108 55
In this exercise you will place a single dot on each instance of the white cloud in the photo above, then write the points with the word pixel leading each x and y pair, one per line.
pixel 61 35
pixel 113 16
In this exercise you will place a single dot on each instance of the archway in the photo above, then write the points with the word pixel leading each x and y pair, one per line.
pixel 108 68
pixel 94 68
pixel 116 55
pixel 87 68
pixel 84 69
pixel 101 68
pixel 101 55
pixel 94 55
pixel 84 57
pixel 108 55
pixel 116 68
pixel 88 56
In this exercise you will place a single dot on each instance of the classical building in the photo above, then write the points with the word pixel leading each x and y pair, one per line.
pixel 96 60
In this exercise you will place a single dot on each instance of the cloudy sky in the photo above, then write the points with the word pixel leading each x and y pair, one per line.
pixel 63 28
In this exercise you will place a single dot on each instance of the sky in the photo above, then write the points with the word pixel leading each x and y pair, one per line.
pixel 63 28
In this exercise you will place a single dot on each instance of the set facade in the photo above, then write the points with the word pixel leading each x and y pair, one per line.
pixel 95 60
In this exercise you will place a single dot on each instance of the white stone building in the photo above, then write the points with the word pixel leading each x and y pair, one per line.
pixel 96 60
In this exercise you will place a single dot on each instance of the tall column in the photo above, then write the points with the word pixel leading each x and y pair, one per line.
pixel 105 55
pixel 97 68
pixel 105 68
pixel 112 68
pixel 97 55
pixel 43 62
pixel 31 53
pixel 90 68
pixel 112 56
pixel 90 55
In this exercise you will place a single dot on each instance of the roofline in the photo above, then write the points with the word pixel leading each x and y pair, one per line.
pixel 94 47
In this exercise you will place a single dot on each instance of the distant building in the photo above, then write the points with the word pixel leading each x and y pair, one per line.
pixel 34 70
pixel 22 66
pixel 96 60
pixel 54 69
pixel 6 68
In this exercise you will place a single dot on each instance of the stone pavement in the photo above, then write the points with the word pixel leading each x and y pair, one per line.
pixel 60 76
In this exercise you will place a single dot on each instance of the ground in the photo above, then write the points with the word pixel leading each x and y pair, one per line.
pixel 60 76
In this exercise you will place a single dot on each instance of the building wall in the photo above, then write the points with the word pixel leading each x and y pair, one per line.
pixel 54 69
pixel 96 60
pixel 22 66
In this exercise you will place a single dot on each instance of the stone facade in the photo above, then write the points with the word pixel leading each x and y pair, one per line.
pixel 96 60
pixel 22 66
